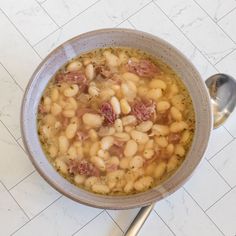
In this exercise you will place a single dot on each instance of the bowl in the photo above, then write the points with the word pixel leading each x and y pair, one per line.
pixel 113 38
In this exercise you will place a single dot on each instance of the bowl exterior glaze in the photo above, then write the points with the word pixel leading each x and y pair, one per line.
pixel 112 38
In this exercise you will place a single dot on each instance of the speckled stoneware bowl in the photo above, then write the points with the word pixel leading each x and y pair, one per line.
pixel 109 38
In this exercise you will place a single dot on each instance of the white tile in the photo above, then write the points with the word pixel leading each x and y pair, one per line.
pixel 223 213
pixel 14 164
pixel 184 216
pixel 230 124
pixel 29 18
pixel 123 217
pixel 66 9
pixel 154 226
pixel 125 24
pixel 33 194
pixel 16 54
pixel 219 139
pixel 217 8
pixel 144 19
pixel 102 225
pixel 202 185
pixel 199 28
pixel 11 216
pixel 63 217
pixel 228 23
pixel 10 102
pixel 225 163
pixel 103 14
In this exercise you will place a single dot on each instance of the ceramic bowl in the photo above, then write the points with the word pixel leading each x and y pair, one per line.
pixel 113 38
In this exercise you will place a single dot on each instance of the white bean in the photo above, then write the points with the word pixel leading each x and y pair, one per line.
pixel 125 107
pixel 178 102
pixel 143 183
pixel 74 66
pixel 53 150
pixel 72 153
pixel 124 162
pixel 161 141
pixel 160 170
pixel 150 169
pixel 63 144
pixel 148 153
pixel 56 109
pixel 98 162
pixel 94 148
pixel 90 181
pixel 144 126
pixel 93 91
pixel 100 188
pixel 71 131
pixel 157 83
pixel 185 137
pixel 116 175
pixel 154 93
pixel 61 166
pixel 176 127
pixel 118 125
pixel 71 91
pixel 172 163
pixel 128 120
pixel 106 94
pixel 160 130
pixel 89 72
pixel 106 130
pixel 115 105
pixel 79 179
pixel 149 144
pixel 179 150
pixel 129 187
pixel 162 106
pixel 130 76
pixel 170 148
pixel 54 94
pixel 107 142
pixel 68 113
pixel 131 148
pixel 92 120
pixel 176 114
pixel 122 137
pixel 136 162
pixel 139 137
pixel 112 60
pixel 93 135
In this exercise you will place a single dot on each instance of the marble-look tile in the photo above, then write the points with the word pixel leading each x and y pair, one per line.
pixel 11 216
pixel 66 9
pixel 225 163
pixel 97 225
pixel 218 140
pixel 154 226
pixel 223 213
pixel 202 185
pixel 144 19
pixel 29 18
pixel 34 194
pixel 10 98
pixel 20 142
pixel 184 216
pixel 110 13
pixel 14 164
pixel 64 217
pixel 16 54
pixel 125 24
pixel 228 23
pixel 199 28
pixel 123 217
pixel 217 8
pixel 230 124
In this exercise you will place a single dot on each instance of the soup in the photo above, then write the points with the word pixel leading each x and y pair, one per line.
pixel 116 121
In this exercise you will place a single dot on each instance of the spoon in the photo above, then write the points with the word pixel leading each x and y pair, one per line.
pixel 222 90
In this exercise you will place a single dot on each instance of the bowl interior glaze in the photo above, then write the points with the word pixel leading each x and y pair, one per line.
pixel 111 38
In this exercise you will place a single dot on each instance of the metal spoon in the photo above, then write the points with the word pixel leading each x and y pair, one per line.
pixel 222 89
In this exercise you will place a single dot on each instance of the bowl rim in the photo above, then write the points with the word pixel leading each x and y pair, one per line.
pixel 89 34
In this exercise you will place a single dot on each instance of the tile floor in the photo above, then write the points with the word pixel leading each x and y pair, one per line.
pixel 204 30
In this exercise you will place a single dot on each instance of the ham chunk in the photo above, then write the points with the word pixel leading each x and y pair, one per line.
pixel 108 113
pixel 143 110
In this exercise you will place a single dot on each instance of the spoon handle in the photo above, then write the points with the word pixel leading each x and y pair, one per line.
pixel 139 221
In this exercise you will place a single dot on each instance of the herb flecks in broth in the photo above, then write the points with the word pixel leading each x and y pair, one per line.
pixel 116 121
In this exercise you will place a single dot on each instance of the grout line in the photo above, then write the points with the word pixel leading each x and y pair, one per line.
pixel 16 202
pixel 36 215
pixel 218 200
pixel 88 222
pixel 225 56
pixel 41 2
pixel 202 210
pixel 131 23
pixel 114 221
pixel 12 77
pixel 213 21
pixel 225 14
pixel 164 222
pixel 220 149
pixel 22 180
pixel 65 23
pixel 41 6
pixel 228 132
pixel 185 35
pixel 134 13
pixel 20 33
pixel 220 174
